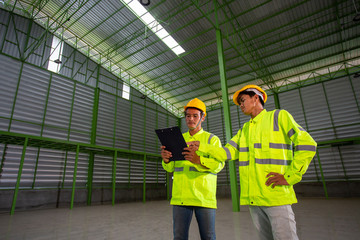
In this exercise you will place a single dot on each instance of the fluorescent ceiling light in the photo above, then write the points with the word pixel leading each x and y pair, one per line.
pixel 153 25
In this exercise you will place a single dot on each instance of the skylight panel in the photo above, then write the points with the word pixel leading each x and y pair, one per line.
pixel 153 25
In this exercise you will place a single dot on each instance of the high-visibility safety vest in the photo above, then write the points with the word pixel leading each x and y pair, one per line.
pixel 194 185
pixel 271 142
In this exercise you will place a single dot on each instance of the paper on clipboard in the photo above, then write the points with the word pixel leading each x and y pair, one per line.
pixel 173 140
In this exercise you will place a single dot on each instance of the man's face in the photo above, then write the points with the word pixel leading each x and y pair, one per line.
pixel 247 103
pixel 192 117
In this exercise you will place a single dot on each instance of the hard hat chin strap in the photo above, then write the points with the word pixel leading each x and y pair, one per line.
pixel 201 116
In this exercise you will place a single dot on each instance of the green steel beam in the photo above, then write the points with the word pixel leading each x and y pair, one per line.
pixel 93 142
pixel 130 140
pixel 281 49
pixel 322 174
pixel 74 177
pixel 114 177
pixel 49 28
pixel 297 83
pixel 16 190
pixel 307 127
pixel 342 163
pixel 228 131
pixel 329 109
pixel 144 179
pixel 276 99
pixel 64 171
pixel 252 39
pixel 6 31
pixel 15 97
pixel 229 69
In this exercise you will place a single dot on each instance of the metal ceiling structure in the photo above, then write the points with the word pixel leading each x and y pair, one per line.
pixel 275 44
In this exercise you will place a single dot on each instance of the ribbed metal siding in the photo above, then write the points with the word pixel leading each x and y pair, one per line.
pixel 150 136
pixel 68 56
pixel 291 101
pixel 9 76
pixel 138 128
pixel 40 45
pixel 15 36
pixel 122 170
pixel 216 124
pixel 343 107
pixel 102 175
pixel 58 113
pixel 30 101
pixel 317 112
pixel 123 124
pixel 11 164
pixel 106 119
pixel 82 170
pixel 136 171
pixel 81 119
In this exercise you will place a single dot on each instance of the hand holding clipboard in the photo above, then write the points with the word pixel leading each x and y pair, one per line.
pixel 173 141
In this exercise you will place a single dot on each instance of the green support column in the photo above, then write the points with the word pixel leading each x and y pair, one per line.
pixel 276 100
pixel 168 182
pixel 19 177
pixel 74 176
pixel 144 180
pixel 114 178
pixel 322 174
pixel 93 141
pixel 225 99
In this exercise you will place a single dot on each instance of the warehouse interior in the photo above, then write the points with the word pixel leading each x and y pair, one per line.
pixel 84 84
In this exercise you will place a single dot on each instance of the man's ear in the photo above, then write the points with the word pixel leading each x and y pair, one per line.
pixel 203 118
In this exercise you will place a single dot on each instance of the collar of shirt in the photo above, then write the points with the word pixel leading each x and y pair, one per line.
pixel 195 135
pixel 258 117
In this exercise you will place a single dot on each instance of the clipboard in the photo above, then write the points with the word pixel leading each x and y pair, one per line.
pixel 173 140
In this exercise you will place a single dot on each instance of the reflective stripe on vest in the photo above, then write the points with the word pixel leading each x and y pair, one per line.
pixel 276 120
pixel 275 146
pixel 211 136
pixel 243 163
pixel 179 169
pixel 240 149
pixel 305 148
pixel 272 161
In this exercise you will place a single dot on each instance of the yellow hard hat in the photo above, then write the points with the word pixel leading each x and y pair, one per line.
pixel 254 88
pixel 196 103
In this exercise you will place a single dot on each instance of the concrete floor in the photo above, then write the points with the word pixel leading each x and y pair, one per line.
pixel 316 219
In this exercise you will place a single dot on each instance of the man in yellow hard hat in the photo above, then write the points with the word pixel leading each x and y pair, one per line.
pixel 268 164
pixel 194 183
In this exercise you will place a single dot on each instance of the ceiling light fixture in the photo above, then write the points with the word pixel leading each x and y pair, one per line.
pixel 153 25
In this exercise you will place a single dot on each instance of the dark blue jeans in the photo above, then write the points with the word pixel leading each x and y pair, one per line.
pixel 205 217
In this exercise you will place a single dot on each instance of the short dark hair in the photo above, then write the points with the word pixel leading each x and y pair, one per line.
pixel 201 112
pixel 251 94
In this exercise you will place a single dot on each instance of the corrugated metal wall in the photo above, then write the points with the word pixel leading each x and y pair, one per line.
pixel 37 102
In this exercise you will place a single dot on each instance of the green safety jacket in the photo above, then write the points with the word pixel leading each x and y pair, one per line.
pixel 194 185
pixel 265 144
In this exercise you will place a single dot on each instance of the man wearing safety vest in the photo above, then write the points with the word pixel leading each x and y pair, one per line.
pixel 194 183
pixel 268 164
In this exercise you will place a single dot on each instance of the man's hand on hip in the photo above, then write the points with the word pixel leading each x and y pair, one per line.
pixel 276 179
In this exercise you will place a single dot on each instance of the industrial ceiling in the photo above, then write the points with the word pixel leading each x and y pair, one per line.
pixel 277 44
